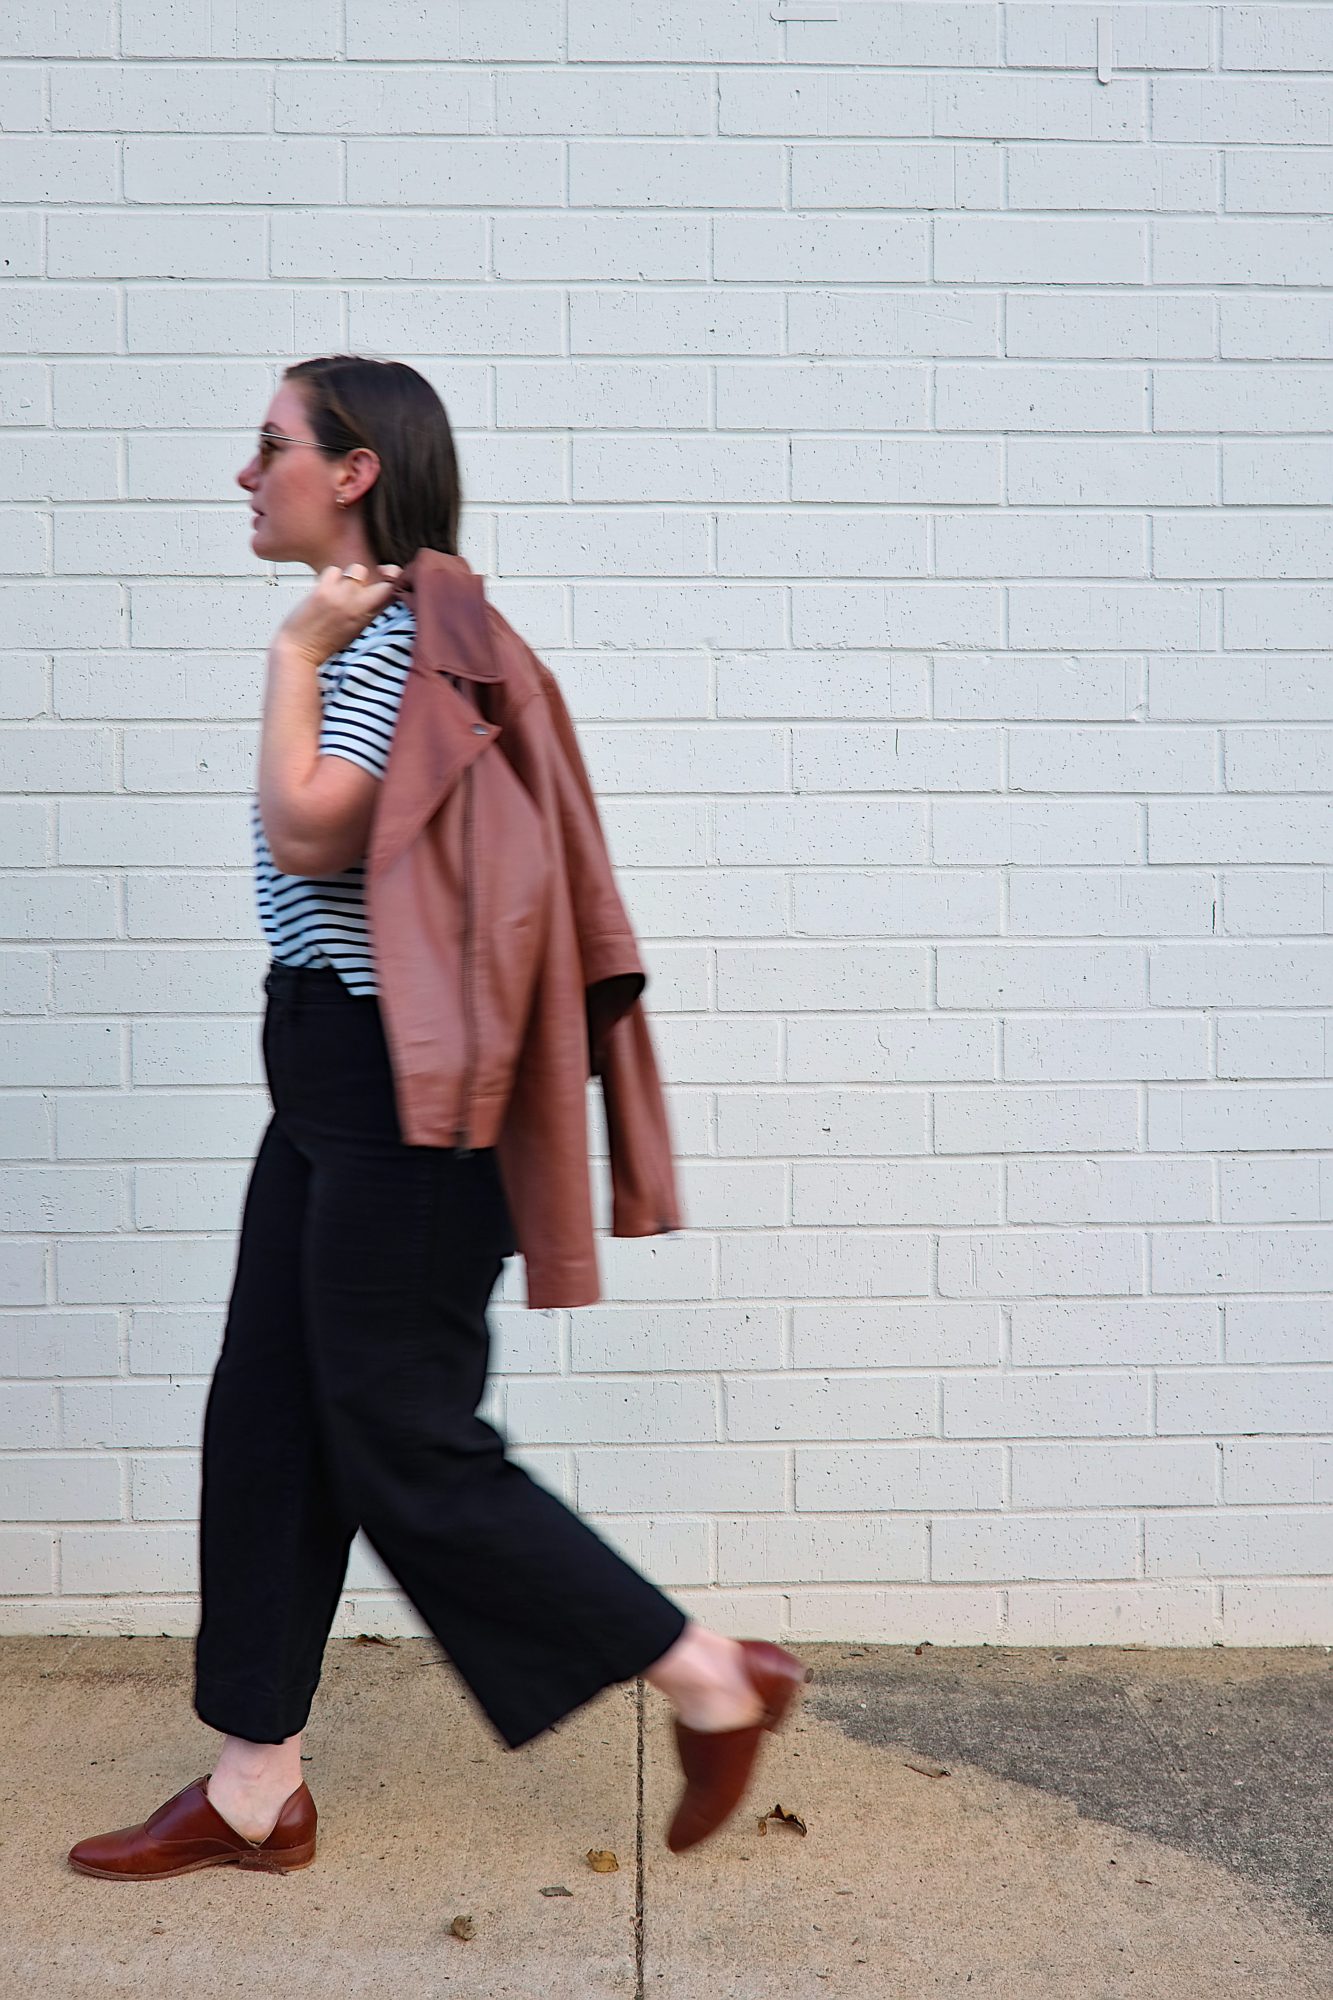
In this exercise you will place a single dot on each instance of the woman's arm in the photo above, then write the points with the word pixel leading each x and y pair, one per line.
pixel 316 809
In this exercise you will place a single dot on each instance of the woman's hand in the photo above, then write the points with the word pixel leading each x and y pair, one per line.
pixel 336 610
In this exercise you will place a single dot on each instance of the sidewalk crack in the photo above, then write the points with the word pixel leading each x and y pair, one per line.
pixel 639 1704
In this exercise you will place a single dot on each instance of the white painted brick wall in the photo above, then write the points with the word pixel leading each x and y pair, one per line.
pixel 911 452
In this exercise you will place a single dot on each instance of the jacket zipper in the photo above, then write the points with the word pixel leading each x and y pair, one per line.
pixel 462 1135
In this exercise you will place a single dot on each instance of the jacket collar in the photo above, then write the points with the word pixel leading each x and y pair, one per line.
pixel 448 601
pixel 436 736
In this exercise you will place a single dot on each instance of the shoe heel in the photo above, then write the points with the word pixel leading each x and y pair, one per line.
pixel 789 1704
pixel 281 1863
pixel 779 1677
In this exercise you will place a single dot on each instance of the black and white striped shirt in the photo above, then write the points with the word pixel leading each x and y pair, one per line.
pixel 323 923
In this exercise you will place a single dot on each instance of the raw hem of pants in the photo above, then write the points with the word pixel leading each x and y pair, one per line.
pixel 234 1704
pixel 516 1736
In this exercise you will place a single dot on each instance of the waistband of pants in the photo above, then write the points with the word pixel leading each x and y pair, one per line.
pixel 318 983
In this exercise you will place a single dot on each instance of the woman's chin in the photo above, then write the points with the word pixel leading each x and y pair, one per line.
pixel 261 540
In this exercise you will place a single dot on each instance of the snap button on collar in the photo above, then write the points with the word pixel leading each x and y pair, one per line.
pixel 479 729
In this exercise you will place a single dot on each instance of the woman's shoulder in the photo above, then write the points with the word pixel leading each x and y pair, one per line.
pixel 386 641
pixel 395 616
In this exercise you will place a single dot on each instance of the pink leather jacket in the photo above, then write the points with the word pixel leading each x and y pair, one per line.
pixel 507 967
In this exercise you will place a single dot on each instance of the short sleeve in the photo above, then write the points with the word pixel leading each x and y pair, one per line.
pixel 360 713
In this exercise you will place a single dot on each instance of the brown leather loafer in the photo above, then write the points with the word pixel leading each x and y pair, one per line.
pixel 188 1833
pixel 718 1762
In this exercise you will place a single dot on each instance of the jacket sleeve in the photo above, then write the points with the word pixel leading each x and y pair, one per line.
pixel 613 972
pixel 644 1197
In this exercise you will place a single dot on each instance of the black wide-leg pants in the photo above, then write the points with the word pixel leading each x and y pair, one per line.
pixel 345 1395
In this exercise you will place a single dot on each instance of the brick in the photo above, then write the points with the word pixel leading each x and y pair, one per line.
pixel 1109 903
pixel 1243 1260
pixel 1272 902
pixel 1276 1190
pixel 1051 1263
pixel 860 832
pixel 1279 1330
pixel 1061 1191
pixel 1274 1045
pixel 659 1480
pixel 1241 398
pixel 1111 1614
pixel 27 1558
pixel 763 1408
pixel 1059 975
pixel 79 1486
pixel 1277 688
pixel 1126 615
pixel 1113 1475
pixel 1271 181
pixel 1277 38
pixel 1236 830
pixel 777 99
pixel 1117 327
pixel 938 469
pixel 1138 759
pixel 912 1048
pixel 1226 110
pixel 1136 472
pixel 903 759
pixel 905 325
pixel 1229 1119
pixel 1029 107
pixel 1112 1047
pixel 829 1263
pixel 1279 760
pixel 836 1549
pixel 1035 832
pixel 903 1477
pixel 1114 1332
pixel 1012 397
pixel 1266 1614
pixel 891 903
pixel 1160 37
pixel 1024 1548
pixel 918 1191
pixel 88 28
pixel 1240 975
pixel 1093 687
pixel 1285 1542
pixel 1032 544
pixel 1297 1471
pixel 891 1333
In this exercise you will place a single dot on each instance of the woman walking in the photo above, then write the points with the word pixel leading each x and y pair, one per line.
pixel 356 1343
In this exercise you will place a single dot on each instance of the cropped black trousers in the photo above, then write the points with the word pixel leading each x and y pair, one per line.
pixel 345 1394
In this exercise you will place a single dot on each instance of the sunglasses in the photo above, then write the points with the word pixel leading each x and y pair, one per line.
pixel 270 440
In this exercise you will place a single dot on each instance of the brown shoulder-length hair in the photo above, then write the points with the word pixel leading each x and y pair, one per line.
pixel 357 399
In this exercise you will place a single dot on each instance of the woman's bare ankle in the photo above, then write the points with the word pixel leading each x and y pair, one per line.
pixel 251 1782
pixel 703 1676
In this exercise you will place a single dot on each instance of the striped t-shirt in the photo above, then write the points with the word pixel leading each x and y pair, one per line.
pixel 323 922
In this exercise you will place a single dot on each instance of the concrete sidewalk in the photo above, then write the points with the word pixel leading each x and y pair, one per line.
pixel 1082 1824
